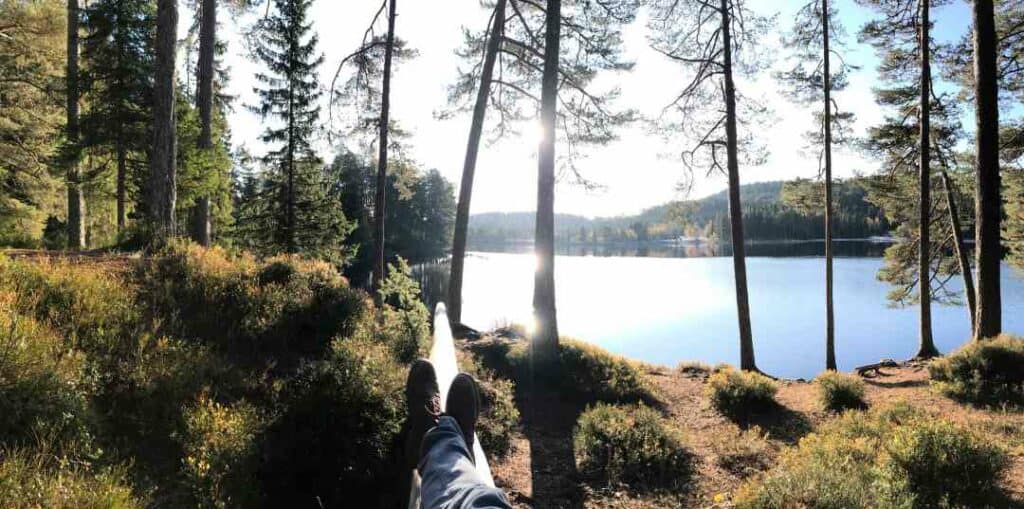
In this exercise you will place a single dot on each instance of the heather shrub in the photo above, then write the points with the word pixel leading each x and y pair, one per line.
pixel 897 457
pixel 333 436
pixel 839 391
pixel 988 372
pixel 737 394
pixel 631 445
pixel 34 480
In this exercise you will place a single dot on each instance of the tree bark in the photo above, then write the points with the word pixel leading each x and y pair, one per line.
pixel 163 165
pixel 204 103
pixel 830 327
pixel 961 250
pixel 987 198
pixel 122 170
pixel 544 347
pixel 76 201
pixel 382 157
pixel 926 348
pixel 747 362
pixel 469 166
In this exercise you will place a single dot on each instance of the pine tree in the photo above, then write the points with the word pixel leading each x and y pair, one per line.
pixel 813 78
pixel 163 162
pixel 32 63
pixel 118 57
pixel 591 42
pixel 299 211
pixel 200 228
pixel 76 201
pixel 902 37
pixel 714 41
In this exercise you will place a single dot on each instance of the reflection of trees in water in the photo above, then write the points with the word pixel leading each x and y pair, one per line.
pixel 851 248
pixel 433 276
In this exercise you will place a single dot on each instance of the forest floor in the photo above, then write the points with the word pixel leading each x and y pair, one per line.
pixel 540 471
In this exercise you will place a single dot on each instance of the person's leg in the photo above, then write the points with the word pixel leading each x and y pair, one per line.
pixel 449 478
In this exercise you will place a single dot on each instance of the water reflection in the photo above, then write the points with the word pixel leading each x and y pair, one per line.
pixel 666 307
pixel 854 248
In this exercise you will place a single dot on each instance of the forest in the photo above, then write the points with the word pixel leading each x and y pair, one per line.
pixel 190 321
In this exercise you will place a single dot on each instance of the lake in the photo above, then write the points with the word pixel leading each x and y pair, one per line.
pixel 665 304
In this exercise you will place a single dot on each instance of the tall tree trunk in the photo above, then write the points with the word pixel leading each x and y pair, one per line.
pixel 958 242
pixel 987 199
pixel 926 348
pixel 735 208
pixel 122 171
pixel 469 166
pixel 545 337
pixel 76 202
pixel 382 157
pixel 830 326
pixel 163 166
pixel 204 102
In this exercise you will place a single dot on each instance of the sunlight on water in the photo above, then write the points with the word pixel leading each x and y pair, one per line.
pixel 665 310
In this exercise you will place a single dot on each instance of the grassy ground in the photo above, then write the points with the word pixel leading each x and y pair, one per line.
pixel 541 472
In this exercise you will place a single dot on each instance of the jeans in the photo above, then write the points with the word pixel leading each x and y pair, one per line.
pixel 449 478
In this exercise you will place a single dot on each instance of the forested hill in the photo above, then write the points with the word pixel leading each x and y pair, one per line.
pixel 770 212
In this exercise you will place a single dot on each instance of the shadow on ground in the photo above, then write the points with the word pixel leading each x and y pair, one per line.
pixel 548 423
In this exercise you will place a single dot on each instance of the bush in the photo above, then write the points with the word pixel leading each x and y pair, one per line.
pixel 220 453
pixel 935 464
pixel 29 481
pixel 988 372
pixel 406 321
pixel 633 445
pixel 43 388
pixel 838 391
pixel 334 434
pixel 737 394
pixel 283 310
pixel 894 458
pixel 591 374
pixel 498 413
pixel 743 453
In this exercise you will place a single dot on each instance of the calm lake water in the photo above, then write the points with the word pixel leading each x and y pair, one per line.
pixel 665 304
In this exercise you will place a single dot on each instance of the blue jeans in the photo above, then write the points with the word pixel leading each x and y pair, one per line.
pixel 449 478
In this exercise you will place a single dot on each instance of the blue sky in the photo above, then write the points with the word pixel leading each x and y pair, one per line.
pixel 634 170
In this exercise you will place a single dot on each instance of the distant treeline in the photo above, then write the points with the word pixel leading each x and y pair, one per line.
pixel 771 211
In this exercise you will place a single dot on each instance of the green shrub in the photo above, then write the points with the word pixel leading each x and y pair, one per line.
pixel 284 309
pixel 839 391
pixel 591 374
pixel 743 453
pixel 220 453
pixel 737 394
pixel 897 457
pixel 988 372
pixel 406 321
pixel 499 416
pixel 44 390
pixel 335 430
pixel 29 481
pixel 631 445
pixel 935 464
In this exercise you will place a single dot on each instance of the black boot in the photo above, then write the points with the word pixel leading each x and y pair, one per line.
pixel 423 404
pixel 463 405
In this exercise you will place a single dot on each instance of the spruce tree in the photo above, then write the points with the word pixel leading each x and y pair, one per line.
pixel 118 62
pixel 300 213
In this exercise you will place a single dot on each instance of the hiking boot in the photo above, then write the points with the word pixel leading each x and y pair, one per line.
pixel 423 404
pixel 463 405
